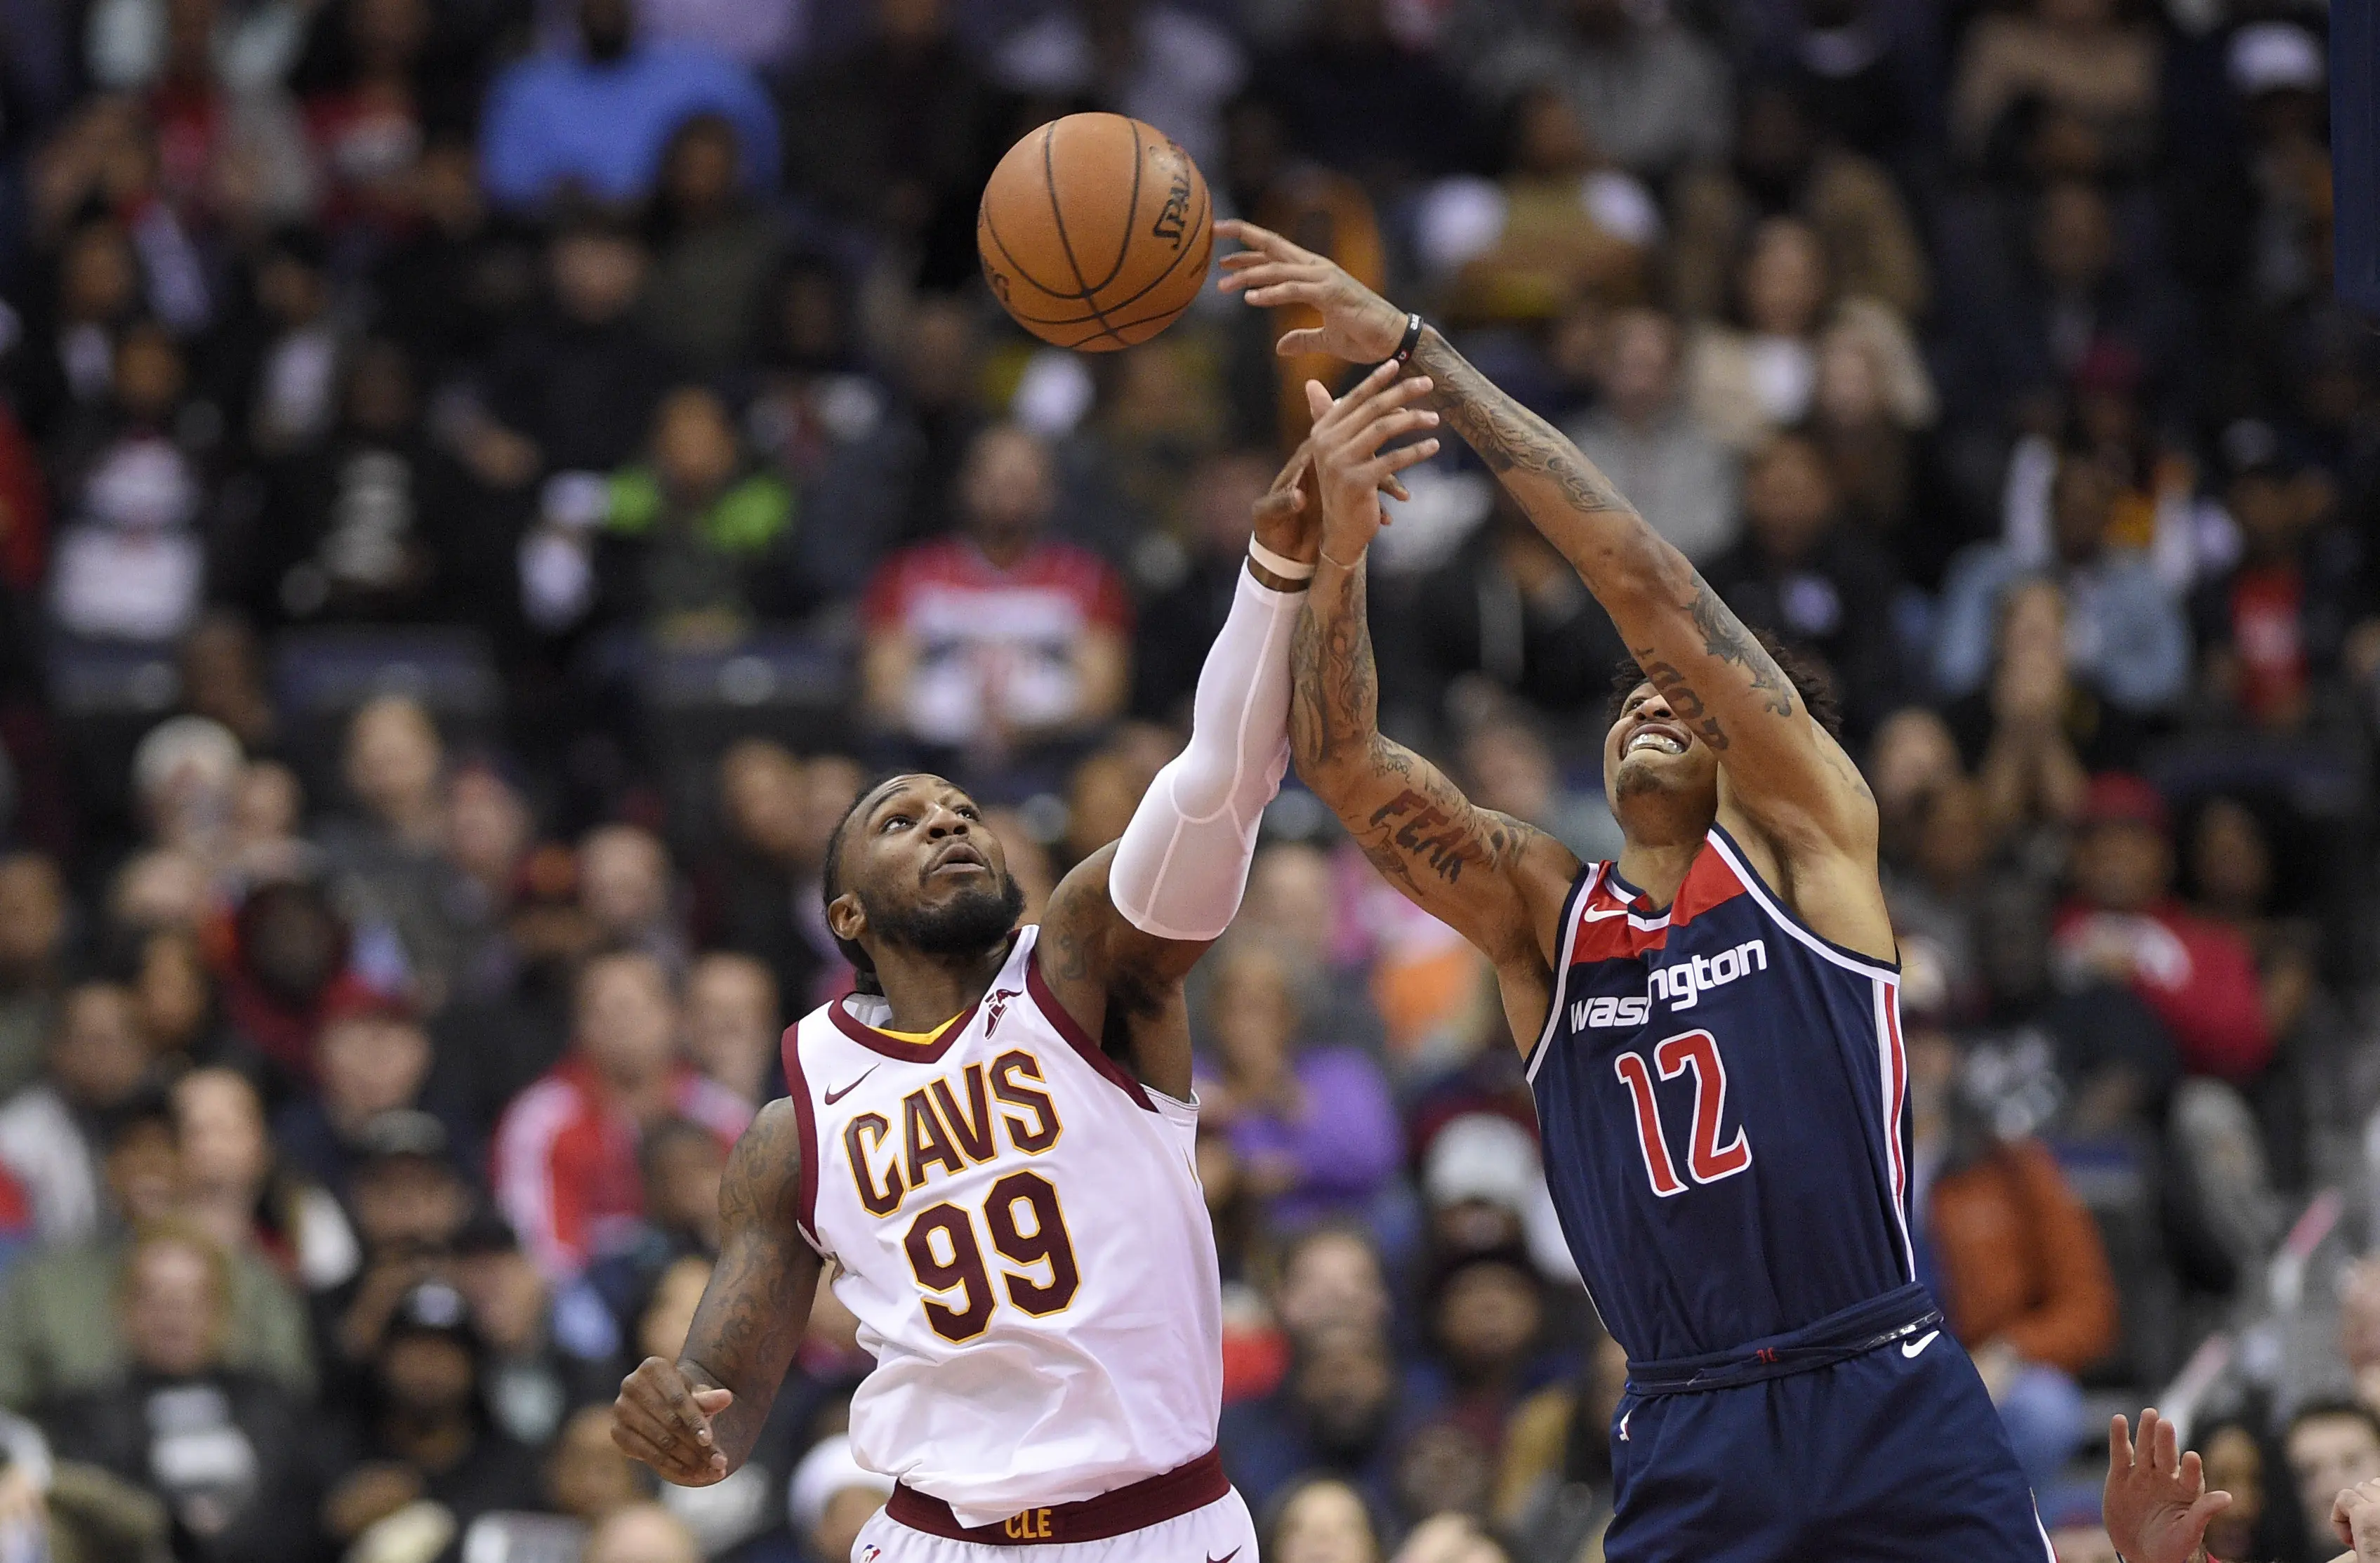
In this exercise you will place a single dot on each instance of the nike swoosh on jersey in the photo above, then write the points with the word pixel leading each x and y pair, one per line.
pixel 1226 1557
pixel 835 1097
pixel 1920 1344
pixel 1593 915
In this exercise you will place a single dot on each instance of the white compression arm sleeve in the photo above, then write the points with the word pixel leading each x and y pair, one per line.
pixel 1184 859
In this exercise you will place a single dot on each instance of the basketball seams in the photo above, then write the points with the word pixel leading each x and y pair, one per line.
pixel 1058 215
pixel 1109 325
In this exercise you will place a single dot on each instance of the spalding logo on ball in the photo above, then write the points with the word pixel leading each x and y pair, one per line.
pixel 1095 232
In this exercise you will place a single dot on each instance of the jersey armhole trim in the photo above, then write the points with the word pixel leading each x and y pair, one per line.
pixel 1851 960
pixel 1037 988
pixel 806 1185
pixel 1581 887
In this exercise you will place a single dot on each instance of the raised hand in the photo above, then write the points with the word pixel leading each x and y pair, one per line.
pixel 2155 1504
pixel 1348 461
pixel 663 1420
pixel 1357 324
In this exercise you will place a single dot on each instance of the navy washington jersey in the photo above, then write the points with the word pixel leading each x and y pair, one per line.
pixel 1720 1092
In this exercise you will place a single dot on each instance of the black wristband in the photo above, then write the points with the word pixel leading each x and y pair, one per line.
pixel 1410 340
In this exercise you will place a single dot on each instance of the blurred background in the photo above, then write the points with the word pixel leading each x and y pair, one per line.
pixel 484 483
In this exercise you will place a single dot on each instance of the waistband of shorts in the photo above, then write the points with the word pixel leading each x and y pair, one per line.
pixel 1853 1332
pixel 1152 1501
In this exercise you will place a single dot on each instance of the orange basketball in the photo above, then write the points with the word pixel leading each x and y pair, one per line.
pixel 1095 232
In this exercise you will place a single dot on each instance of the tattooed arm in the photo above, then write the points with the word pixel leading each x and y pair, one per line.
pixel 695 1420
pixel 1784 771
pixel 1491 878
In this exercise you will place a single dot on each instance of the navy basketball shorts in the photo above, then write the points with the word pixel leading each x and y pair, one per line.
pixel 1889 1457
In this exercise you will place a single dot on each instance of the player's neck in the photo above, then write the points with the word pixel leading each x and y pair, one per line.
pixel 1658 870
pixel 925 990
pixel 1662 837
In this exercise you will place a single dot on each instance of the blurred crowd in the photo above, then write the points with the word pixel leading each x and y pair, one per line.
pixel 484 483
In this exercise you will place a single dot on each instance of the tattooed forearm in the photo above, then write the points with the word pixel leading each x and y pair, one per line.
pixel 1335 686
pixel 1725 637
pixel 1683 701
pixel 1508 437
pixel 753 1311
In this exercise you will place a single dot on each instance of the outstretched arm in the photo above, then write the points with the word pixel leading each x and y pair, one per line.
pixel 1125 926
pixel 1486 875
pixel 1786 773
pixel 695 1420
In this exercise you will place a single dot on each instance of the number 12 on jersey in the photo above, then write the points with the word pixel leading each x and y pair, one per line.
pixel 964 1270
pixel 1706 1160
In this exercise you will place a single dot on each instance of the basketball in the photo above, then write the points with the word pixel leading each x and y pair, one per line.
pixel 1095 232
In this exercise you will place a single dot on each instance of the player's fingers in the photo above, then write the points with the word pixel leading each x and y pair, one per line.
pixel 712 1401
pixel 1309 340
pixel 2194 1475
pixel 1393 425
pixel 1256 237
pixel 2119 1442
pixel 1318 402
pixel 677 1403
pixel 1394 490
pixel 637 1444
pixel 2165 1456
pixel 1382 392
pixel 1271 295
pixel 1389 462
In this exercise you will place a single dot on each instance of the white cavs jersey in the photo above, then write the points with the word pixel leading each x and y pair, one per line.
pixel 1017 1225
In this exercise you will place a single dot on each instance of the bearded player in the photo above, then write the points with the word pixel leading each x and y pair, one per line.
pixel 993 1142
pixel 1709 1023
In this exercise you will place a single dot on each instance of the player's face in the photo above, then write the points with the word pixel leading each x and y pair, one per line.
pixel 1648 750
pixel 924 870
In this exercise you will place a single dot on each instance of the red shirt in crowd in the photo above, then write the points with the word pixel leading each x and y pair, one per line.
pixel 2199 976
pixel 989 635
pixel 566 1170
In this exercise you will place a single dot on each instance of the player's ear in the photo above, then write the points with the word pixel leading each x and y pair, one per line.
pixel 846 919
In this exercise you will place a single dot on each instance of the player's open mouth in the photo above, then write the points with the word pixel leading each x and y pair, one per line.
pixel 1662 740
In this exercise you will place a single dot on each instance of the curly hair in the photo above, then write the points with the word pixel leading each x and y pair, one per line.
pixel 1808 671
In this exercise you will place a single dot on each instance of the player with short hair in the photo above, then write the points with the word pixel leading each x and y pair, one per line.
pixel 1710 1022
pixel 993 1142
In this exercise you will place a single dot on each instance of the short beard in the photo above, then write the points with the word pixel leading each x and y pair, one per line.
pixel 968 924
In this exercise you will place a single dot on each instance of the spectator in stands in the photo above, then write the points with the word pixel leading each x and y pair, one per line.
pixel 1161 64
pixel 1345 86
pixel 290 965
pixel 1780 164
pixel 1507 765
pixel 1801 573
pixel 572 390
pixel 1508 606
pixel 758 894
pixel 696 548
pixel 1314 1132
pixel 1652 95
pixel 1485 1315
pixel 2019 1264
pixel 565 1157
pixel 2125 638
pixel 597 121
pixel 999 639
pixel 1553 1485
pixel 388 856
pixel 536 1363
pixel 1651 445
pixel 373 1059
pixel 1757 370
pixel 890 134
pixel 226 1448
pixel 2076 56
pixel 587 1477
pixel 371 523
pixel 129 563
pixel 714 251
pixel 425 1434
pixel 1321 1519
pixel 733 1024
pixel 831 1497
pixel 32 932
pixel 56 1335
pixel 2278 620
pixel 53 1131
pixel 410 1207
pixel 1870 416
pixel 626 891
pixel 1184 607
pixel 680 1163
pixel 2122 923
pixel 2330 1445
pixel 235 1191
pixel 642 1532
pixel 1335 1413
